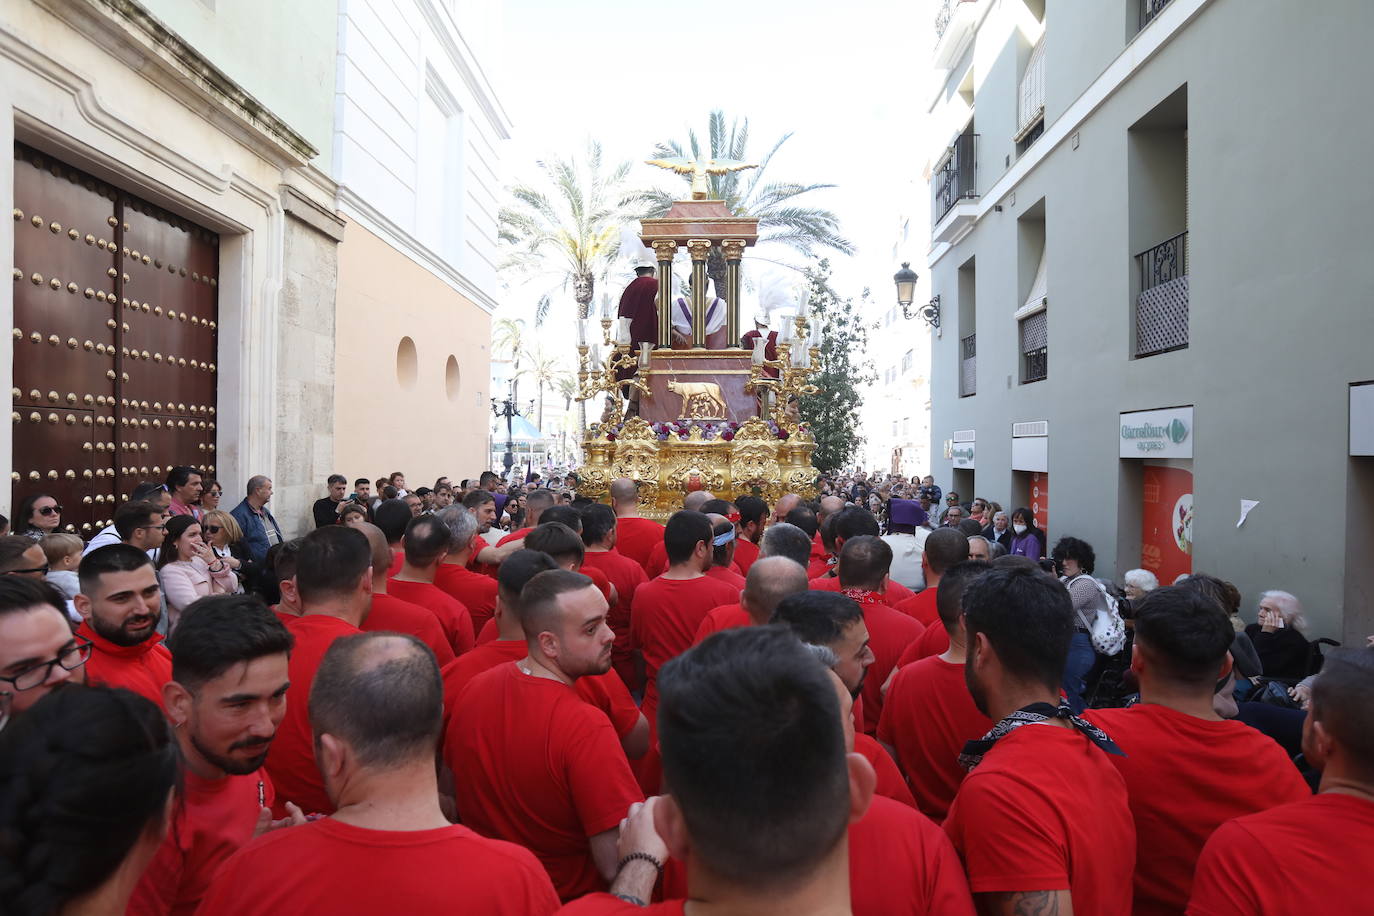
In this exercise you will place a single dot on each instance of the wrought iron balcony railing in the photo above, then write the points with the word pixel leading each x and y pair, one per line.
pixel 1149 9
pixel 1164 262
pixel 1161 308
pixel 956 177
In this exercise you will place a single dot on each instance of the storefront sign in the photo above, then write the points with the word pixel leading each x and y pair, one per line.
pixel 962 454
pixel 1157 433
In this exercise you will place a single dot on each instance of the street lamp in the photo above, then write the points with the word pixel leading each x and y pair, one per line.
pixel 506 408
pixel 906 292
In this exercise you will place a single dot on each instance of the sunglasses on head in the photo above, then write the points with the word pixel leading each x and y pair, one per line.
pixel 50 510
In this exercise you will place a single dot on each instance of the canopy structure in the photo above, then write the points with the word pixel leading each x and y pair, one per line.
pixel 522 432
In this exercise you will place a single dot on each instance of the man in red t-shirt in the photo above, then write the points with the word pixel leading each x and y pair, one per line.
pixel 473 591
pixel 600 535
pixel 945 548
pixel 1316 855
pixel 534 763
pixel 606 691
pixel 120 605
pixel 864 562
pixel 389 614
pixel 426 543
pixel 928 715
pixel 225 700
pixel 696 501
pixel 334 582
pixel 770 580
pixel 1187 769
pixel 753 515
pixel 667 610
pixel 723 551
pixel 752 724
pixel 635 536
pixel 375 715
pixel 1041 820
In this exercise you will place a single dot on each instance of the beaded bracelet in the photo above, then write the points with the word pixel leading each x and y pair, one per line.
pixel 640 855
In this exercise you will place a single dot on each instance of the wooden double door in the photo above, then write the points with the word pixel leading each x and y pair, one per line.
pixel 115 329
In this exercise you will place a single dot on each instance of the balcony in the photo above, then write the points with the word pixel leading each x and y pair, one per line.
pixel 955 188
pixel 954 26
pixel 1149 9
pixel 1161 312
pixel 968 366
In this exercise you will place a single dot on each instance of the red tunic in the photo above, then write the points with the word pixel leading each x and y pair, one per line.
pixel 332 867
pixel 291 761
pixel 1232 770
pixel 928 716
pixel 214 818
pixel 143 668
pixel 1046 810
pixel 391 614
pixel 635 538
pixel 536 765
pixel 474 591
pixel 639 303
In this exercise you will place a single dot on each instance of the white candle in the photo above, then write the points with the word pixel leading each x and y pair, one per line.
pixel 622 334
pixel 802 302
pixel 596 354
pixel 759 346
pixel 605 305
pixel 581 332
pixel 645 348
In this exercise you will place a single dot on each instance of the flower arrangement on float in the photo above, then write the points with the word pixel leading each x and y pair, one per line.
pixel 724 430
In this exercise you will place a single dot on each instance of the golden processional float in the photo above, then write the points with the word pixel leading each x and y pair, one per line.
pixel 718 418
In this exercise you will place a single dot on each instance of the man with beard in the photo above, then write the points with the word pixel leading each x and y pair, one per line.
pixel 120 605
pixel 38 653
pixel 225 700
pixel 567 809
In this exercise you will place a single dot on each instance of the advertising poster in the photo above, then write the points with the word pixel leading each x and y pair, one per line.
pixel 1040 502
pixel 1167 523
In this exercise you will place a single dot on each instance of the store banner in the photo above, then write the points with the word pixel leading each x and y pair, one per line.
pixel 1157 433
pixel 1167 522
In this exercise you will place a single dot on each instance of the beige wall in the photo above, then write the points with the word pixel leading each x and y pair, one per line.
pixel 384 419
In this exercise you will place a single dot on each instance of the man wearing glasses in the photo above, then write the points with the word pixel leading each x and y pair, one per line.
pixel 38 653
pixel 121 604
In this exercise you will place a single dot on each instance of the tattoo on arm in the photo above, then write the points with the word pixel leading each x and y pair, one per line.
pixel 1025 903
pixel 1035 903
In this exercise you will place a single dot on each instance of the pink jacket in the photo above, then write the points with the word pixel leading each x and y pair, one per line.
pixel 183 581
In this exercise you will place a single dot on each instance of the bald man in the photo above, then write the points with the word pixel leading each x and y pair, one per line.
pixel 391 614
pixel 770 580
pixel 635 537
pixel 786 503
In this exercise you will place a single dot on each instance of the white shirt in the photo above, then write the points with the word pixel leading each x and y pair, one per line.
pixel 907 550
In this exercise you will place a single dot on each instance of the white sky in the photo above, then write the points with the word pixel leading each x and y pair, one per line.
pixel 848 79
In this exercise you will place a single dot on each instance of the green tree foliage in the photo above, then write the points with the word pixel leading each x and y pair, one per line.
pixel 842 369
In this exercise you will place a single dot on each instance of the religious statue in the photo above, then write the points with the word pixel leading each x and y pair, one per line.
pixel 715 321
pixel 699 170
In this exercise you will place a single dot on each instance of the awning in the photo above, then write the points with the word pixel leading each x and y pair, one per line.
pixel 522 430
pixel 1038 299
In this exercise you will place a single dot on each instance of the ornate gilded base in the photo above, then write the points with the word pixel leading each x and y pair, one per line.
pixel 757 459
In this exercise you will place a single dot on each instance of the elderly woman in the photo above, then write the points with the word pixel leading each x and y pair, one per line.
pixel 222 532
pixel 1139 581
pixel 189 569
pixel 1279 637
pixel 38 515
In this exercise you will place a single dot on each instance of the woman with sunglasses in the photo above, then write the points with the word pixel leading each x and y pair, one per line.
pixel 209 497
pixel 38 515
pixel 225 537
pixel 189 569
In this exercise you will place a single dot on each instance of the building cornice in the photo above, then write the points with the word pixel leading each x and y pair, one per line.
pixel 372 219
pixel 127 30
pixel 460 55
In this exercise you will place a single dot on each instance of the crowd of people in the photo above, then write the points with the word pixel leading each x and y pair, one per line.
pixel 496 698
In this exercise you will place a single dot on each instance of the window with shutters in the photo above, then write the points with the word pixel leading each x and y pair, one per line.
pixel 1034 333
pixel 1030 101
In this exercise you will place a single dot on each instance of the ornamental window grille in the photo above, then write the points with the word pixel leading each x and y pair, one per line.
pixel 1035 347
pixel 968 366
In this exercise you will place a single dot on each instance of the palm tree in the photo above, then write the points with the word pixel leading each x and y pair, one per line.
pixel 544 369
pixel 508 337
pixel 566 386
pixel 781 219
pixel 570 228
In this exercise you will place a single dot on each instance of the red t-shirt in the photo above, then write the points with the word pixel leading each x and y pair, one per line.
pixel 1046 810
pixel 889 633
pixel 664 620
pixel 489 632
pixel 934 641
pixel 329 867
pixel 901 864
pixel 890 784
pixel 212 820
pixel 398 559
pixel 599 579
pixel 143 668
pixel 746 554
pixel 894 593
pixel 725 617
pixel 728 576
pixel 608 905
pixel 1314 856
pixel 391 614
pixel 636 537
pixel 1187 776
pixel 535 764
pixel 606 692
pixel 928 717
pixel 657 563
pixel 517 535
pixel 922 607
pixel 291 760
pixel 627 576
pixel 453 617
pixel 472 590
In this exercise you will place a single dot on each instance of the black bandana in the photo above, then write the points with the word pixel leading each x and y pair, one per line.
pixel 1036 712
